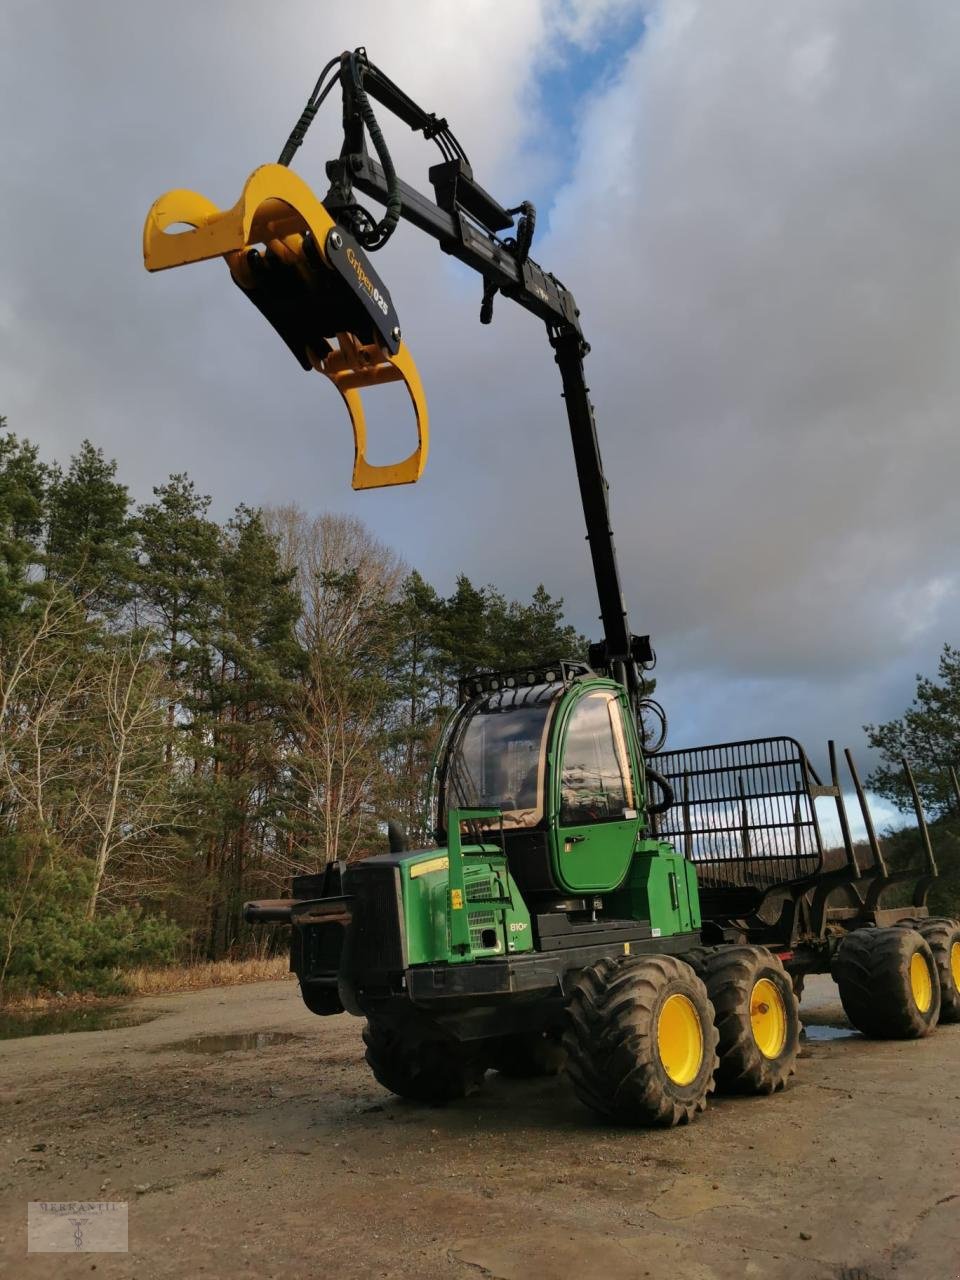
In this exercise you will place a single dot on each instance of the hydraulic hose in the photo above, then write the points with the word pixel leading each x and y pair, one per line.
pixel 668 797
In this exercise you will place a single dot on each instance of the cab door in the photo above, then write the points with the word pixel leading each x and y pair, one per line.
pixel 596 812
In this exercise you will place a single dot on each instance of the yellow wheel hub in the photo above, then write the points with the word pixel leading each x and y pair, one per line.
pixel 921 983
pixel 768 1018
pixel 680 1039
pixel 955 964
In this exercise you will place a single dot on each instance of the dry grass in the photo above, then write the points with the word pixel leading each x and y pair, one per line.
pixel 155 982
pixel 38 1003
pixel 215 973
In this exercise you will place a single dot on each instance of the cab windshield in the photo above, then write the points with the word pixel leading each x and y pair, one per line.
pixel 497 755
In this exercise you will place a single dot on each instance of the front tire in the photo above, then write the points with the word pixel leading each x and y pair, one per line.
pixel 415 1061
pixel 758 1018
pixel 888 983
pixel 640 1042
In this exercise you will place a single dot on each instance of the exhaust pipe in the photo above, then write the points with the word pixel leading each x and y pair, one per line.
pixel 268 911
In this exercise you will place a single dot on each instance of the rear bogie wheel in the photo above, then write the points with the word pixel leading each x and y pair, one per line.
pixel 416 1061
pixel 942 936
pixel 889 985
pixel 640 1042
pixel 758 1018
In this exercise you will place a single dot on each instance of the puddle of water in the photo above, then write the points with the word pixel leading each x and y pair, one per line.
pixel 51 1022
pixel 230 1043
pixel 821 1032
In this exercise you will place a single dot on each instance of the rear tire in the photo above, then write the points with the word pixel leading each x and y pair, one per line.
pixel 888 983
pixel 758 1018
pixel 640 1041
pixel 942 936
pixel 525 1057
pixel 415 1061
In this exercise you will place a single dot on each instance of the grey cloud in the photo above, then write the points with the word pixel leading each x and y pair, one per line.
pixel 775 321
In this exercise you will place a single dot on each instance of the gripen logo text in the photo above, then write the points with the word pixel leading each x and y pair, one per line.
pixel 366 282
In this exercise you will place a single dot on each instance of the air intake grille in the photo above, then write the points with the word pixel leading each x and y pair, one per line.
pixel 481 889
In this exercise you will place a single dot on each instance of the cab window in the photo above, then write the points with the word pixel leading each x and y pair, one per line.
pixel 497 756
pixel 596 784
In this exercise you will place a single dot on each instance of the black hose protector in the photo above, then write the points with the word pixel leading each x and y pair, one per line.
pixel 386 227
pixel 668 797
pixel 299 131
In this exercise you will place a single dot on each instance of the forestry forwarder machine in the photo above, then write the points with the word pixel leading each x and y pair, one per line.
pixel 652 945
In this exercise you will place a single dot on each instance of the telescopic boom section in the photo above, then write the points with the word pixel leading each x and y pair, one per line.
pixel 466 220
pixel 594 495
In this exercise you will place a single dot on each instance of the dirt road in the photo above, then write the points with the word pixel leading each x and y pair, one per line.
pixel 288 1160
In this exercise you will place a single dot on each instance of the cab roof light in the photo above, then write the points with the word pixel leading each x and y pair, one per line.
pixel 487 682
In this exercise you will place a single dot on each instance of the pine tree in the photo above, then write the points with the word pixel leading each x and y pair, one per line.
pixel 418 712
pixel 90 536
pixel 178 595
pixel 928 735
pixel 178 582
pixel 249 704
pixel 462 636
pixel 533 634
pixel 23 484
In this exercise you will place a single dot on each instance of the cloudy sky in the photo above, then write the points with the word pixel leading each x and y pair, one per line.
pixel 757 206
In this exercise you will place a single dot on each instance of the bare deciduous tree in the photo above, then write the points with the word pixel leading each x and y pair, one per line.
pixel 128 799
pixel 42 689
pixel 335 765
pixel 320 550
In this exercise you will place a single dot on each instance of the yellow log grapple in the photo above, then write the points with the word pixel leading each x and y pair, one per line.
pixel 312 281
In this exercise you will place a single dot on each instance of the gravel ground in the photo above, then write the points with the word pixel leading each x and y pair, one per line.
pixel 288 1160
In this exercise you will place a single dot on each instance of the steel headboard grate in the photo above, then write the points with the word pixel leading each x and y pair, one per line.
pixel 744 812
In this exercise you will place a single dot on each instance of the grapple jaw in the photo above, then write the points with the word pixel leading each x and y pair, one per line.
pixel 314 284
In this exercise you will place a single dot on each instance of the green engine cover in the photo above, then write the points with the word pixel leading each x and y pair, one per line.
pixel 498 920
pixel 661 886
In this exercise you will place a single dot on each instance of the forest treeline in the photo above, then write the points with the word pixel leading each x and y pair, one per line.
pixel 192 710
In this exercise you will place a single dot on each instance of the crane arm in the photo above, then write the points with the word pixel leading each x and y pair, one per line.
pixel 304 264
pixel 467 221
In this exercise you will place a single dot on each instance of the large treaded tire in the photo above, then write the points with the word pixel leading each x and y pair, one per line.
pixel 322 1001
pixel 942 935
pixel 416 1062
pixel 731 975
pixel 611 1041
pixel 872 970
pixel 525 1057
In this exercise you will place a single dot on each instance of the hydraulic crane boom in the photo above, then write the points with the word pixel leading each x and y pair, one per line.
pixel 466 220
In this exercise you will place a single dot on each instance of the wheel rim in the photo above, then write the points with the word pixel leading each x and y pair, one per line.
pixel 768 1018
pixel 920 982
pixel 680 1039
pixel 955 964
